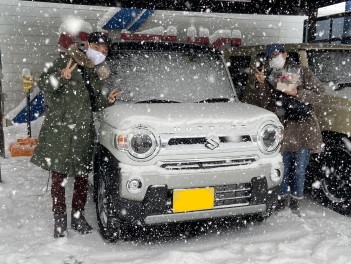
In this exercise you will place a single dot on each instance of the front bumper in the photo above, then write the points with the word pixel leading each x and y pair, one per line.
pixel 156 208
pixel 186 179
pixel 206 214
pixel 156 205
pixel 249 188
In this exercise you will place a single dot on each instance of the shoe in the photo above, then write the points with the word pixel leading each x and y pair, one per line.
pixel 283 201
pixel 295 206
pixel 60 225
pixel 79 223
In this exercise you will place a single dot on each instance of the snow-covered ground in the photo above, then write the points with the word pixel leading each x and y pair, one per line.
pixel 26 231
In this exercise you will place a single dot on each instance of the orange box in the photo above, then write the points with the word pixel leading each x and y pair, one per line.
pixel 23 147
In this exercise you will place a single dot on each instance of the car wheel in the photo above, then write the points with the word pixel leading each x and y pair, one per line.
pixel 110 226
pixel 334 176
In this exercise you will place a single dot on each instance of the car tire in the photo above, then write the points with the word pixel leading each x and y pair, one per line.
pixel 110 226
pixel 105 184
pixel 333 177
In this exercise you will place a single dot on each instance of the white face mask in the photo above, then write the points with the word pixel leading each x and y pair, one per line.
pixel 96 56
pixel 277 62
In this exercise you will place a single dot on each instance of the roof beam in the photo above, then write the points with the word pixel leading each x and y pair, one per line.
pixel 270 7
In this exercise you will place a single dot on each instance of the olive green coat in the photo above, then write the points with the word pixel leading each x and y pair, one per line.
pixel 67 135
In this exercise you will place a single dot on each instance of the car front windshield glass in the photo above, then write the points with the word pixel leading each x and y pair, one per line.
pixel 144 76
pixel 332 67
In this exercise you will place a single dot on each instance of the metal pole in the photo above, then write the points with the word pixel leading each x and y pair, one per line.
pixel 29 130
pixel 347 25
pixel 2 142
pixel 311 11
pixel 27 81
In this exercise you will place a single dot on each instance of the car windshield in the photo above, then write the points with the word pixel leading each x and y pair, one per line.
pixel 331 66
pixel 145 76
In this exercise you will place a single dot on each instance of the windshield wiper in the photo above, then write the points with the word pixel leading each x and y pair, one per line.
pixel 156 101
pixel 215 100
pixel 341 86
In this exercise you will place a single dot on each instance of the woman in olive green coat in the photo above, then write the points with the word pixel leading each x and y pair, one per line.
pixel 67 135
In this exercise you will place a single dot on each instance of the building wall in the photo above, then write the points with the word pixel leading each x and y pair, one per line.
pixel 28 39
pixel 29 34
pixel 255 29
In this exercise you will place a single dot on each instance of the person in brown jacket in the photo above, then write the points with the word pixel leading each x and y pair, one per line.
pixel 302 136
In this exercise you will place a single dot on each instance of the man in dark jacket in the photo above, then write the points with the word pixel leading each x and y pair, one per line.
pixel 302 135
pixel 72 87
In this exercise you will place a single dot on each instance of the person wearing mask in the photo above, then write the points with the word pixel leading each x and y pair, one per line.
pixel 72 88
pixel 286 81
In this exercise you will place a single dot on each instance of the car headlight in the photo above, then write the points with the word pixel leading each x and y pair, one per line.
pixel 140 143
pixel 269 138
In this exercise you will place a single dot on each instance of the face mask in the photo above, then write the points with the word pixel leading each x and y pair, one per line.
pixel 277 62
pixel 96 56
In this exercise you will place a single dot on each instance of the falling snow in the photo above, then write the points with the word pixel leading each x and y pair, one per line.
pixel 26 231
pixel 26 222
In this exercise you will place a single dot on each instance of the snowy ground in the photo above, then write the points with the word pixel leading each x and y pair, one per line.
pixel 26 229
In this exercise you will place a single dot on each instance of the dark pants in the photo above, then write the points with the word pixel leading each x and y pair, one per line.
pixel 58 193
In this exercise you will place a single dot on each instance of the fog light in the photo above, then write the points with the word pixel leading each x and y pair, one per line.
pixel 134 186
pixel 276 175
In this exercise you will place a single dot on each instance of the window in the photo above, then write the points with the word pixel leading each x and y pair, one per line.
pixel 294 56
pixel 331 66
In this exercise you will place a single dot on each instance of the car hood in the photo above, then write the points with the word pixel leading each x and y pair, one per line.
pixel 165 117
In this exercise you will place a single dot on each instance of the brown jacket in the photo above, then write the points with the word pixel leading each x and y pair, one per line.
pixel 298 135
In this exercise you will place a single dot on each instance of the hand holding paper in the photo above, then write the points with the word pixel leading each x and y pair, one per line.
pixel 287 83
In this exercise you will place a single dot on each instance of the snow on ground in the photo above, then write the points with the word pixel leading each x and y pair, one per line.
pixel 26 231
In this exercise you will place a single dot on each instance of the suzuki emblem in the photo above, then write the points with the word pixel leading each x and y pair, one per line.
pixel 212 142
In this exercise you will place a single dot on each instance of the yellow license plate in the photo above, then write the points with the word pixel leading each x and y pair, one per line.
pixel 186 200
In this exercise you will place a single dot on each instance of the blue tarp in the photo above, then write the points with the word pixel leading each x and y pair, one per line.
pixel 37 108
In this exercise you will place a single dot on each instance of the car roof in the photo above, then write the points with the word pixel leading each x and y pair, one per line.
pixel 161 46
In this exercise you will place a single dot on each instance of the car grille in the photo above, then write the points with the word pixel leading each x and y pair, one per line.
pixel 233 195
pixel 206 164
pixel 202 140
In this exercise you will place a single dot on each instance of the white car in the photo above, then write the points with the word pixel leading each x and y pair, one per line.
pixel 178 145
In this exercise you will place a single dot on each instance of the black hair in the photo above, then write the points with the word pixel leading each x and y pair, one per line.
pixel 99 37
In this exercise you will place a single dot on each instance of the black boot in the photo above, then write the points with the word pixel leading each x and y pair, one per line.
pixel 282 203
pixel 79 223
pixel 60 226
pixel 295 206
